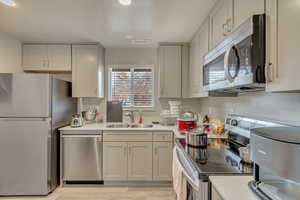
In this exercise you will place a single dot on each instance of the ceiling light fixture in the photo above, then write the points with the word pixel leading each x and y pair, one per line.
pixel 125 2
pixel 10 3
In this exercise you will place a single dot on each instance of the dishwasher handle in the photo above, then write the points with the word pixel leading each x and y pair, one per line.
pixel 99 137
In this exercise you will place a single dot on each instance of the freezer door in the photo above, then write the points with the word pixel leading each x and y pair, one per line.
pixel 25 95
pixel 23 156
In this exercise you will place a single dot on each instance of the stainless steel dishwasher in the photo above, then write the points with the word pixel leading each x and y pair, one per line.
pixel 82 156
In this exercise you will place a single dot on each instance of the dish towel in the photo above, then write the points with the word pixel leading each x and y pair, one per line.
pixel 179 181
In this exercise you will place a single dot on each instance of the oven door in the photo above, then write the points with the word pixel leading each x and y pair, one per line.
pixel 222 71
pixel 197 188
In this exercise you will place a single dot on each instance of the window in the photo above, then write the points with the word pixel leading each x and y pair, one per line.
pixel 131 85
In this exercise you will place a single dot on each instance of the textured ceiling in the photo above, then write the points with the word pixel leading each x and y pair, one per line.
pixel 104 21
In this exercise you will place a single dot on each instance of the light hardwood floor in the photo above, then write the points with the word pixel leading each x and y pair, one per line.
pixel 105 193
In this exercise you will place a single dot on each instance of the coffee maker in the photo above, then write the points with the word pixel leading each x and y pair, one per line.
pixel 275 152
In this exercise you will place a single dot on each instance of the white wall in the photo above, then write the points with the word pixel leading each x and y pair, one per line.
pixel 10 54
pixel 278 106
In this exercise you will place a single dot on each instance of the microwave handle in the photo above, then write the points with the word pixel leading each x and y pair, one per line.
pixel 226 65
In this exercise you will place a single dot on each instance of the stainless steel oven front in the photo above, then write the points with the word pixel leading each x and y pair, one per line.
pixel 197 188
pixel 238 62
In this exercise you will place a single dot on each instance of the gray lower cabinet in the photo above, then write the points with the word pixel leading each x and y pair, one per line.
pixel 130 161
pixel 139 161
pixel 137 156
pixel 115 161
pixel 162 161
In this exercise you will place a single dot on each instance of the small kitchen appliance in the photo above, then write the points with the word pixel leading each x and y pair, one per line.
pixel 77 121
pixel 196 138
pixel 275 152
pixel 185 124
pixel 237 64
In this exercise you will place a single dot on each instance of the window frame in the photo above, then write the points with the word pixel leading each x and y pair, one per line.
pixel 132 67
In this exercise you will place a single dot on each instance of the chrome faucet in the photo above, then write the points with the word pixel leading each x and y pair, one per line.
pixel 130 114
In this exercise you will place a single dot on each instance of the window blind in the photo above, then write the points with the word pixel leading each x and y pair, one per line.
pixel 133 86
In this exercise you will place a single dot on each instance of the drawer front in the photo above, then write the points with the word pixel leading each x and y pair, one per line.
pixel 81 132
pixel 127 136
pixel 163 136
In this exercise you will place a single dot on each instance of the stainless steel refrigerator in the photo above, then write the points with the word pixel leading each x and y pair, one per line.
pixel 32 108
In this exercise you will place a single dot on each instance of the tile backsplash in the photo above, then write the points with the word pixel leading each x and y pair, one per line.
pixel 284 107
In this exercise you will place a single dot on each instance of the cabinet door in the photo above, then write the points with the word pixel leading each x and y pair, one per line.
pixel 221 21
pixel 200 47
pixel 59 57
pixel 162 161
pixel 115 161
pixel 283 44
pixel 140 161
pixel 243 9
pixel 170 71
pixel 35 57
pixel 85 71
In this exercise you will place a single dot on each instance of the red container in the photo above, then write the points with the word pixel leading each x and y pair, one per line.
pixel 186 124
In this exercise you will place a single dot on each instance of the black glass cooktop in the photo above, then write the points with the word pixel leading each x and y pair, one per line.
pixel 210 160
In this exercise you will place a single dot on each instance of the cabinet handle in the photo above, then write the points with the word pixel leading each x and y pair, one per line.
pixel 155 150
pixel 268 72
pixel 96 92
pixel 229 25
pixel 224 29
pixel 48 63
pixel 125 151
pixel 129 149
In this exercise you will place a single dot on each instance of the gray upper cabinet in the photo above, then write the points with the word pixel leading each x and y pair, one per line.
pixel 283 42
pixel 46 57
pixel 243 9
pixel 170 71
pixel 221 21
pixel 88 71
pixel 198 49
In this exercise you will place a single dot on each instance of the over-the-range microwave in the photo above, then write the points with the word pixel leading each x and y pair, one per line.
pixel 237 64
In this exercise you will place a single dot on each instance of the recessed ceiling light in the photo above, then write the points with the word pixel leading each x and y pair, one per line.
pixel 9 2
pixel 125 2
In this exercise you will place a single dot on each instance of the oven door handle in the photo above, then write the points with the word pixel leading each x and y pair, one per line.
pixel 226 64
pixel 189 171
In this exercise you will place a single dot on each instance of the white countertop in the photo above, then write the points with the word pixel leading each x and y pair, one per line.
pixel 233 187
pixel 102 127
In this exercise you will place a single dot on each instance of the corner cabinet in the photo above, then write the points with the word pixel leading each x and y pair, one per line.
pixel 46 57
pixel 88 70
pixel 283 43
pixel 170 62
pixel 198 49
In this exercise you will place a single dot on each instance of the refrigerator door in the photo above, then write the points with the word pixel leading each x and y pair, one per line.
pixel 23 156
pixel 25 95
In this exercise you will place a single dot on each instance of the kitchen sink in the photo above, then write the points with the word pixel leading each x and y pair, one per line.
pixel 117 126
pixel 141 126
pixel 129 126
